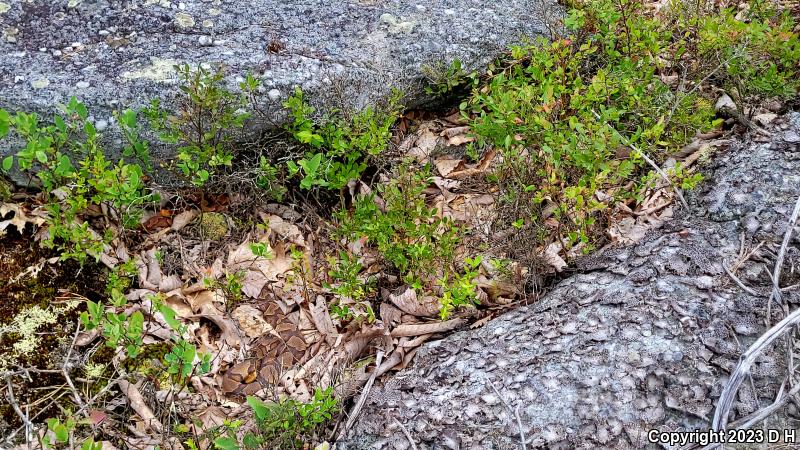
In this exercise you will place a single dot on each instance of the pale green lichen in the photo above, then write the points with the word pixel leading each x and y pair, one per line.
pixel 40 83
pixel 94 371
pixel 160 70
pixel 397 26
pixel 4 7
pixel 184 20
pixel 26 326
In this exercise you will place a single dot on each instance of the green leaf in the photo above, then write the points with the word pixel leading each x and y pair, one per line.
pixel 226 443
pixel 8 161
pixel 260 409
pixel 169 316
pixel 4 123
pixel 61 432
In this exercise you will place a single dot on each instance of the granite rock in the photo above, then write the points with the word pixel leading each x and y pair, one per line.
pixel 346 53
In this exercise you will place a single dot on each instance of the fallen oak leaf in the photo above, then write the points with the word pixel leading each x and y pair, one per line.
pixel 446 166
pixel 322 320
pixel 183 219
pixel 408 302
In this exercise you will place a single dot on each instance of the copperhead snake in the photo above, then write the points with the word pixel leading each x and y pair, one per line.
pixel 272 354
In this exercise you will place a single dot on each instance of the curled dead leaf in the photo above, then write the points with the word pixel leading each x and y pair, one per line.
pixel 409 303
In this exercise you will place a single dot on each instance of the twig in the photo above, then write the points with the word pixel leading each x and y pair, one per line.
pixel 363 398
pixel 513 411
pixel 13 401
pixel 408 435
pixel 737 376
pixel 739 282
pixel 137 403
pixel 776 274
pixel 65 371
pixel 758 416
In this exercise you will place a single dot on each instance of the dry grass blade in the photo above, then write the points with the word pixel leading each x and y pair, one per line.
pixel 743 368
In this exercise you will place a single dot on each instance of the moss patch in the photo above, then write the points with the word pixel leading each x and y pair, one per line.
pixel 214 226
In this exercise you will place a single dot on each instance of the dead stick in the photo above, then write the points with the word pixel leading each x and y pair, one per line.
pixel 363 398
pixel 725 401
pixel 137 403
pixel 514 412
pixel 407 434
pixel 426 328
pixel 776 274
pixel 65 371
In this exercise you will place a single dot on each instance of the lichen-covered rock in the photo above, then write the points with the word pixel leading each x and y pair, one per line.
pixel 113 53
pixel 644 341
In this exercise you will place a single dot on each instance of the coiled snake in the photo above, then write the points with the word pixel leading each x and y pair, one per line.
pixel 273 353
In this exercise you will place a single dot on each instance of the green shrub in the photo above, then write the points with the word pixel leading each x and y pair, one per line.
pixel 338 149
pixel 573 117
pixel 289 423
pixel 74 174
pixel 349 284
pixel 207 120
pixel 411 237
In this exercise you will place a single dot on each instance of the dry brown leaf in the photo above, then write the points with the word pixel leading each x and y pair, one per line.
pixel 230 332
pixel 454 131
pixel 425 144
pixel 20 217
pixel 460 140
pixel 203 301
pixel 446 166
pixel 251 321
pixel 552 257
pixel 259 270
pixel 496 288
pixel 183 219
pixel 409 303
pixel 211 417
pixel 170 283
pixel 479 169
pixel 322 320
pixel 179 304
pixel 287 230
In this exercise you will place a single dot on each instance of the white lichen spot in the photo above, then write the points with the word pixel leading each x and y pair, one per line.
pixel 160 71
pixel 10 34
pixel 397 26
pixel 208 23
pixel 94 371
pixel 184 20
pixel 214 12
pixel 73 3
pixel 4 7
pixel 40 83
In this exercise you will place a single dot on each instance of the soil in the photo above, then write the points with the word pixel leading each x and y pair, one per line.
pixel 18 291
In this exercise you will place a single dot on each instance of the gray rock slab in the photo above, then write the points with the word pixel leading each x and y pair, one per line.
pixel 348 54
pixel 644 339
